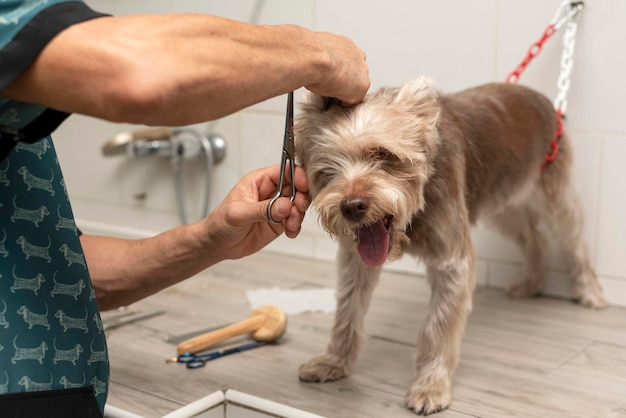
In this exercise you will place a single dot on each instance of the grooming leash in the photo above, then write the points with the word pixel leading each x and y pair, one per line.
pixel 566 15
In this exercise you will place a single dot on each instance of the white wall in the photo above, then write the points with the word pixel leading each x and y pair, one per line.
pixel 460 43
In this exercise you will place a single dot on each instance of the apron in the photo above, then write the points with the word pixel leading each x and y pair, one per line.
pixel 51 334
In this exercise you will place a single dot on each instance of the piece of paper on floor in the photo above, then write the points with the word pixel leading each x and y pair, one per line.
pixel 294 301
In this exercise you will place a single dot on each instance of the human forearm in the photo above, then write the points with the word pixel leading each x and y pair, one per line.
pixel 181 69
pixel 124 271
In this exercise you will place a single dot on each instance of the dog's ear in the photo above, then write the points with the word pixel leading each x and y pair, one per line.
pixel 313 102
pixel 419 97
pixel 420 101
pixel 317 102
pixel 420 91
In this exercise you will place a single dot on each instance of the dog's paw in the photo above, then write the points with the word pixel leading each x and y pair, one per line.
pixel 323 368
pixel 590 296
pixel 426 401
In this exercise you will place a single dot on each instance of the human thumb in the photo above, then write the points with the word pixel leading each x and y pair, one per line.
pixel 279 211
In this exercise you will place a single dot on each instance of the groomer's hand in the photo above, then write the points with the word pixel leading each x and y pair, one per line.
pixel 239 227
pixel 347 78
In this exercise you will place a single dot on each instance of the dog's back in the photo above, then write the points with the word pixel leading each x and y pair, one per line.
pixel 503 133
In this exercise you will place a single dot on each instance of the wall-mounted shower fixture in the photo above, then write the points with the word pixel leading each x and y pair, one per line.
pixel 178 144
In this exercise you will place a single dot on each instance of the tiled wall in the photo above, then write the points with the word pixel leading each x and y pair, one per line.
pixel 460 43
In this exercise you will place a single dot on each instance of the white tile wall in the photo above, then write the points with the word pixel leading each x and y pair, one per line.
pixel 453 41
pixel 460 43
pixel 612 213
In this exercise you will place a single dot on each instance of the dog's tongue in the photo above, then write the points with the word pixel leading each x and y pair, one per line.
pixel 374 244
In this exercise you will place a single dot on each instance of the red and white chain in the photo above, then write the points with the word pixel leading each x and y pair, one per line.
pixel 565 15
pixel 567 57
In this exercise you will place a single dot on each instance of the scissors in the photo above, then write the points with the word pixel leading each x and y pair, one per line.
pixel 287 154
pixel 195 361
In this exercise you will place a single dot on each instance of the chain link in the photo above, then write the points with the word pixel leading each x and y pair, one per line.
pixel 567 62
pixel 566 14
pixel 534 50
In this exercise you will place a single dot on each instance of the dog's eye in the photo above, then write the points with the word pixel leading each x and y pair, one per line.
pixel 320 178
pixel 381 154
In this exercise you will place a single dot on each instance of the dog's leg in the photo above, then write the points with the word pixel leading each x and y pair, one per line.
pixel 439 339
pixel 355 286
pixel 567 222
pixel 521 225
pixel 566 219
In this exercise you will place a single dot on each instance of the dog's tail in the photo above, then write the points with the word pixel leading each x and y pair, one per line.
pixel 556 174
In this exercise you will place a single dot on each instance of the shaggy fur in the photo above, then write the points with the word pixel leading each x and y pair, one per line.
pixel 409 170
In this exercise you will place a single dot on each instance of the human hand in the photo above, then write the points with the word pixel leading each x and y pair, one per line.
pixel 347 78
pixel 239 227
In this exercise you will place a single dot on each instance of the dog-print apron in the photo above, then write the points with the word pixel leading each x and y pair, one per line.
pixel 51 335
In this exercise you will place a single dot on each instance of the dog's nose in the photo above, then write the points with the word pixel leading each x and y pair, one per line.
pixel 354 208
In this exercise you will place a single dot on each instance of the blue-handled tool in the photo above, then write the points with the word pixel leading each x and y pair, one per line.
pixel 194 361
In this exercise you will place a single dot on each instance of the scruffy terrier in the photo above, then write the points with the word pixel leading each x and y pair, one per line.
pixel 409 170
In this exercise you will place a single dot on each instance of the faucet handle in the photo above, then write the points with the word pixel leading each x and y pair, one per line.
pixel 117 144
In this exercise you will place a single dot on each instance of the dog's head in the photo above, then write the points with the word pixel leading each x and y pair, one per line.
pixel 367 165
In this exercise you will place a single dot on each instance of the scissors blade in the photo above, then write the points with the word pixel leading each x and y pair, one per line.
pixel 288 144
pixel 123 319
pixel 287 155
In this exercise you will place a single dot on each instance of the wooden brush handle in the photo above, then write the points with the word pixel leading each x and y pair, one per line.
pixel 204 341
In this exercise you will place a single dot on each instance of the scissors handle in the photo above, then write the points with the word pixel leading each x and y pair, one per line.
pixel 196 361
pixel 286 156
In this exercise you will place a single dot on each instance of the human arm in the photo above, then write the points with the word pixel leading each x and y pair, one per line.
pixel 124 271
pixel 183 69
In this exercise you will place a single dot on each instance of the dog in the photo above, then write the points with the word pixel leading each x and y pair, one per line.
pixel 409 170
pixel 68 322
pixel 71 355
pixel 34 182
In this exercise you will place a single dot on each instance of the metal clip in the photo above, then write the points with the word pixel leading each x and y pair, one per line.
pixel 563 15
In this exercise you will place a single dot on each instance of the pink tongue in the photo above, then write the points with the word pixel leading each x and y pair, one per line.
pixel 374 244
